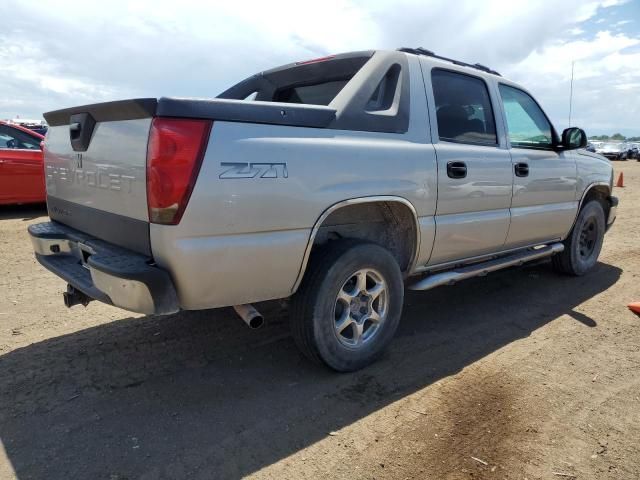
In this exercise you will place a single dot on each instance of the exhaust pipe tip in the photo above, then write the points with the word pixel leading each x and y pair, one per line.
pixel 249 315
pixel 256 322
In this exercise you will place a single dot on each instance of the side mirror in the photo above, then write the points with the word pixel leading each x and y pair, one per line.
pixel 42 145
pixel 573 138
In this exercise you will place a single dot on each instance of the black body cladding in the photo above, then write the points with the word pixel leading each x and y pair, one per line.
pixel 106 112
pixel 248 112
pixel 117 229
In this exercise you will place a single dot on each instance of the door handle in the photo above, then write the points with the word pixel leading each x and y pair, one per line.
pixel 456 169
pixel 521 169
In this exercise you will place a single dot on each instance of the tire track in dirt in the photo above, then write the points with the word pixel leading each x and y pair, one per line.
pixel 479 431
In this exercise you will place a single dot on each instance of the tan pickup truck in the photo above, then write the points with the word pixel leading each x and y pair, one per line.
pixel 336 182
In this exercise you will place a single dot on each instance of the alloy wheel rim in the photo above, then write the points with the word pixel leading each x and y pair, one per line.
pixel 361 308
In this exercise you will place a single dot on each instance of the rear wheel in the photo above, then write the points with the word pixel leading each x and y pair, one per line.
pixel 582 246
pixel 348 306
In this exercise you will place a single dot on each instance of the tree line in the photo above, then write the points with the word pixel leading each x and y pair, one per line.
pixel 615 136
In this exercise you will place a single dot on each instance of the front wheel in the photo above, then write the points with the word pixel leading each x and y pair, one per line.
pixel 348 306
pixel 582 246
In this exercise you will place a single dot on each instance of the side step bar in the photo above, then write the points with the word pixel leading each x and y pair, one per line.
pixel 480 269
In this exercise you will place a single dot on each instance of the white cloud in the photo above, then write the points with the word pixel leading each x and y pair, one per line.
pixel 628 86
pixel 591 57
pixel 605 95
pixel 56 54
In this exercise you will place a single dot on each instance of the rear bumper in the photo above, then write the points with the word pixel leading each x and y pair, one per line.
pixel 613 210
pixel 104 271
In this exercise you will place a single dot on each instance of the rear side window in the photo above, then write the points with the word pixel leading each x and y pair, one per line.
pixel 317 94
pixel 463 108
pixel 527 125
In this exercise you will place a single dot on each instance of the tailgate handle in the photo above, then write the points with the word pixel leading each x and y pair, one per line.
pixel 81 127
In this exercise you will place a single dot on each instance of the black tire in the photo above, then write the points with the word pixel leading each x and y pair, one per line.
pixel 582 246
pixel 316 305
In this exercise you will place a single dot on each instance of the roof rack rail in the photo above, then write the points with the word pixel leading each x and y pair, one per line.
pixel 429 53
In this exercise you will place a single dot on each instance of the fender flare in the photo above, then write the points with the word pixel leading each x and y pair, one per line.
pixel 357 201
pixel 584 196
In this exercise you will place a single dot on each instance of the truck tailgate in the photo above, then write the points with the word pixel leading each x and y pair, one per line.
pixel 99 175
pixel 95 166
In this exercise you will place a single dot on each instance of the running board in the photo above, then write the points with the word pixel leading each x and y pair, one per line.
pixel 480 269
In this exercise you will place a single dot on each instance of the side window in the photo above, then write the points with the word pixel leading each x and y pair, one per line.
pixel 14 138
pixel 527 125
pixel 5 138
pixel 463 108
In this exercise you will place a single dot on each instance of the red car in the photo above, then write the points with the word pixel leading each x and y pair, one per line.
pixel 21 165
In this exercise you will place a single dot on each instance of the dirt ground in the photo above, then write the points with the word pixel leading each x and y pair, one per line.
pixel 520 375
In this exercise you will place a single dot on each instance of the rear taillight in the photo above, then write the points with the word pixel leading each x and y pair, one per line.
pixel 175 151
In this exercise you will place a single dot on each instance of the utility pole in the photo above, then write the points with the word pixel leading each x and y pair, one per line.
pixel 571 93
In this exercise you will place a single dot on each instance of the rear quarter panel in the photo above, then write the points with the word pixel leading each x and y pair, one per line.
pixel 243 239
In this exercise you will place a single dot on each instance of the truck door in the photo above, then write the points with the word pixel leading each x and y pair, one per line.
pixel 544 202
pixel 474 169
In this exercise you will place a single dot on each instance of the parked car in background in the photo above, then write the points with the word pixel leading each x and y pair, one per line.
pixel 633 151
pixel 21 165
pixel 39 129
pixel 613 151
pixel 38 126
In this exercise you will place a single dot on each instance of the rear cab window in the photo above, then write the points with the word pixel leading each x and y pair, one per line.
pixel 311 82
pixel 463 108
pixel 317 94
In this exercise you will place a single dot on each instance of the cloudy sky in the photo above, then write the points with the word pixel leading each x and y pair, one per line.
pixel 59 54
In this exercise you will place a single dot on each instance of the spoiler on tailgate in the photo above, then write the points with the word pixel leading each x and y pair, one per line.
pixel 298 115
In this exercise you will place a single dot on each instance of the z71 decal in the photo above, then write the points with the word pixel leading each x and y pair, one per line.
pixel 253 170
